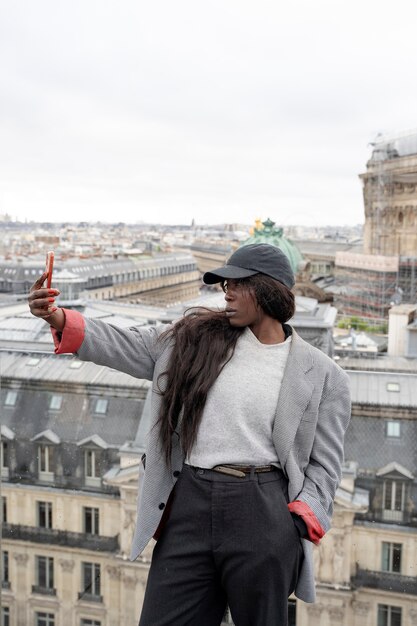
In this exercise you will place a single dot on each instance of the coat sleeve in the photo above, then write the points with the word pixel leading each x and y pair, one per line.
pixel 131 350
pixel 323 473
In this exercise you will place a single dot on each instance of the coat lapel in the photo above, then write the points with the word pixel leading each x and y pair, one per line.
pixel 296 391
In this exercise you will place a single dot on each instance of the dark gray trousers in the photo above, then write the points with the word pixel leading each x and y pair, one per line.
pixel 227 540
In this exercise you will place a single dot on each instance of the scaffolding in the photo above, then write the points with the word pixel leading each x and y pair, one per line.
pixel 369 284
pixel 407 279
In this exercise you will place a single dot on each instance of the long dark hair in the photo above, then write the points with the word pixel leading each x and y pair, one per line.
pixel 203 343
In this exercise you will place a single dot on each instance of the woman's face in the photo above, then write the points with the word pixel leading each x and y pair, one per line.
pixel 242 308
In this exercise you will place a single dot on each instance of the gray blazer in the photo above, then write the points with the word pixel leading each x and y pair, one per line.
pixel 312 415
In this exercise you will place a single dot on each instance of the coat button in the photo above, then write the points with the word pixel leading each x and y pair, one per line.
pixel 176 474
pixel 161 506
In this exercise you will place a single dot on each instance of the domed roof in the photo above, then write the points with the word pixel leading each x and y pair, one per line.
pixel 265 232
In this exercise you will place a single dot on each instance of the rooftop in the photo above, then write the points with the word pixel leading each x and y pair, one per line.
pixel 394 146
pixel 31 367
pixel 382 388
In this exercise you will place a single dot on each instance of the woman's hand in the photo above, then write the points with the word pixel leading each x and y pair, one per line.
pixel 42 304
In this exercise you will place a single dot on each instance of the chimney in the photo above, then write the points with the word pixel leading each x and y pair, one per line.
pixel 400 317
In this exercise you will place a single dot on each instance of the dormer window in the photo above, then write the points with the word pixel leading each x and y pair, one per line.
pixel 55 402
pixel 4 453
pixel 46 441
pixel 11 397
pixel 394 481
pixel 6 448
pixel 45 458
pixel 91 468
pixel 393 498
pixel 393 428
pixel 94 450
pixel 101 406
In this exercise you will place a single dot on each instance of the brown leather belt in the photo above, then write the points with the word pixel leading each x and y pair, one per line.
pixel 240 471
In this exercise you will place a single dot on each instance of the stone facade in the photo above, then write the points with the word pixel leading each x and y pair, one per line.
pixel 390 199
pixel 386 273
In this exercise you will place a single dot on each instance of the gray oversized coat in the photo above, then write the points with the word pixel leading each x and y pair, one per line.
pixel 312 415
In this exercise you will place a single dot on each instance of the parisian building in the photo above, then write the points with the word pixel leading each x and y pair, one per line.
pixel 73 435
pixel 72 438
pixel 156 279
pixel 386 271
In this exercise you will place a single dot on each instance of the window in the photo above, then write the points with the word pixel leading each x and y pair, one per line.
pixel 91 521
pixel 55 402
pixel 5 455
pixel 101 406
pixel 5 569
pixel 11 398
pixel 91 467
pixel 393 429
pixel 391 557
pixel 45 462
pixel 44 573
pixel 5 616
pixel 45 514
pixel 4 452
pixel 4 509
pixel 90 576
pixel 44 619
pixel 90 622
pixel 393 497
pixel 389 615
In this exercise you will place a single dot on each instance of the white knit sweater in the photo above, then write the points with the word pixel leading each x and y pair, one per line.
pixel 236 427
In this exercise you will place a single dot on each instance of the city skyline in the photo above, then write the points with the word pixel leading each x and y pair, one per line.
pixel 222 113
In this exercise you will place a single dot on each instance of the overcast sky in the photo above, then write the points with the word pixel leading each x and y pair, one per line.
pixel 221 111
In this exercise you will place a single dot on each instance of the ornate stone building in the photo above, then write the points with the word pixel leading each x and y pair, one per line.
pixel 72 435
pixel 67 522
pixel 366 566
pixel 390 197
pixel 72 438
pixel 386 272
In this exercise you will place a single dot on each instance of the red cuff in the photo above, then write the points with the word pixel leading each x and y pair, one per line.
pixel 71 338
pixel 315 531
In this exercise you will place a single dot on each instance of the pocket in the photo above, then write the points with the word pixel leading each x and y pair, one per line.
pixel 300 526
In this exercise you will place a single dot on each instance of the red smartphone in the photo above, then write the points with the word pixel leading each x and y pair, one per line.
pixel 49 268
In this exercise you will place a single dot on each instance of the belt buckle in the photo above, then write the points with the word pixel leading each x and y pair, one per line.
pixel 229 471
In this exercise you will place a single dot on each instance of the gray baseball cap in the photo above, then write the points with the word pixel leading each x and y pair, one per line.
pixel 255 258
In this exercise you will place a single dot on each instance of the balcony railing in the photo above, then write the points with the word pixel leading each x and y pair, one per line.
pixel 392 516
pixel 46 591
pixel 386 581
pixel 60 537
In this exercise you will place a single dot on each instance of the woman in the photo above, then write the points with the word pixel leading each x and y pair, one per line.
pixel 248 422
